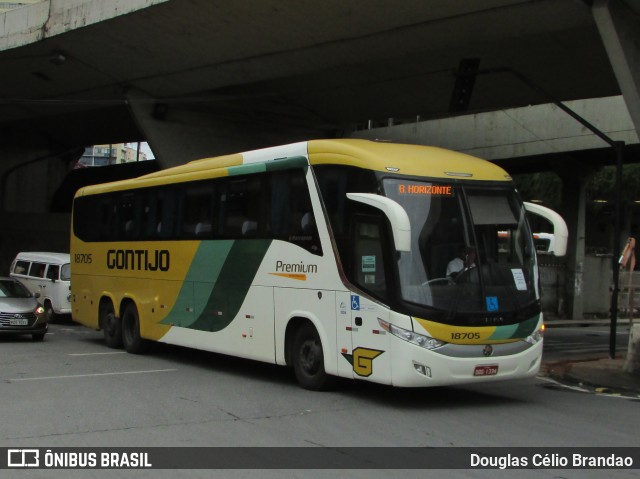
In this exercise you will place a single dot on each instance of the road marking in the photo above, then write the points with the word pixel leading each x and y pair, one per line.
pixel 607 392
pixel 565 386
pixel 97 354
pixel 74 376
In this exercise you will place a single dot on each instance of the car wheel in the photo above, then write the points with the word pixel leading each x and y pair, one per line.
pixel 131 339
pixel 308 359
pixel 37 336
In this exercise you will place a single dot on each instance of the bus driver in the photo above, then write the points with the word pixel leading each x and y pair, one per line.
pixel 466 259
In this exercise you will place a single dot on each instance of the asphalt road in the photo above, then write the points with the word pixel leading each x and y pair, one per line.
pixel 583 342
pixel 72 391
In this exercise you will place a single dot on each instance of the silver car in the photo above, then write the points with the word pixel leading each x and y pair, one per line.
pixel 20 312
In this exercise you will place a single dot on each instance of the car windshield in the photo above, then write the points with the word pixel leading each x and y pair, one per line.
pixel 471 249
pixel 13 289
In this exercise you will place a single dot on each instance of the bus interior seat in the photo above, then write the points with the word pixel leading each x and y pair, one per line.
pixel 307 223
pixel 249 228
pixel 203 228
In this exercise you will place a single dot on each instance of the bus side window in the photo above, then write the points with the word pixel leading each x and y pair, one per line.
pixel 167 207
pixel 292 217
pixel 127 216
pixel 106 227
pixel 197 218
pixel 235 211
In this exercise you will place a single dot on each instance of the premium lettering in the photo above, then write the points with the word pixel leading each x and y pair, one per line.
pixel 282 267
pixel 138 259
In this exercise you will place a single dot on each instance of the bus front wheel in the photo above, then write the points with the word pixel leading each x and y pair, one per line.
pixel 133 342
pixel 308 359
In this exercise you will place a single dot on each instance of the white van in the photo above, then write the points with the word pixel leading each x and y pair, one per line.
pixel 48 274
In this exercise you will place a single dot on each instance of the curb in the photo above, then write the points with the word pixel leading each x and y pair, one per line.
pixel 598 375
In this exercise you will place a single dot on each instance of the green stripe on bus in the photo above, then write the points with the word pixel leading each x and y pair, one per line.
pixel 217 284
pixel 247 169
pixel 233 284
pixel 527 327
pixel 204 270
pixel 516 331
pixel 288 163
pixel 274 165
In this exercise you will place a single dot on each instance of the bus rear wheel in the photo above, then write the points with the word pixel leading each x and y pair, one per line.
pixel 308 360
pixel 133 342
pixel 111 327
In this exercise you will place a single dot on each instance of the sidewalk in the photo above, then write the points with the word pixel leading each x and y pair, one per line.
pixel 603 375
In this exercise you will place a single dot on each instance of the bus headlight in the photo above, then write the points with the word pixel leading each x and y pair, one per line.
pixel 411 337
pixel 536 336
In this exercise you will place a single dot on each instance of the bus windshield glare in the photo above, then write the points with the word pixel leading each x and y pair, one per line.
pixel 471 250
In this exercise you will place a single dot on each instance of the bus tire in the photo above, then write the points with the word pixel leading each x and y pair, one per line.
pixel 308 359
pixel 131 339
pixel 111 327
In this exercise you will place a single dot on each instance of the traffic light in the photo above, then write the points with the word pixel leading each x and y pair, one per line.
pixel 465 78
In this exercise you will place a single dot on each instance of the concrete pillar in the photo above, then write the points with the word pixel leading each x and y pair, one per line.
pixel 574 212
pixel 29 177
pixel 619 26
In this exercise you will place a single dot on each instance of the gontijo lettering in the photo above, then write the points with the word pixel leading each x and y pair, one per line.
pixel 138 259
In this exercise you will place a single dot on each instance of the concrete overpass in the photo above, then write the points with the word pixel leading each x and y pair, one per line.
pixel 199 77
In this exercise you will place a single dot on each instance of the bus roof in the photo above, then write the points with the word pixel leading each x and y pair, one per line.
pixel 416 160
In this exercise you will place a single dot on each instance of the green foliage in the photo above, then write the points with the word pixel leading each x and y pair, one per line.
pixel 547 186
pixel 602 185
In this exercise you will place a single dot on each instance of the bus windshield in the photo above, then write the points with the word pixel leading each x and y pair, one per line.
pixel 472 254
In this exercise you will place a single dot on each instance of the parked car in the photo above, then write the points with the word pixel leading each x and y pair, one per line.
pixel 20 312
pixel 48 274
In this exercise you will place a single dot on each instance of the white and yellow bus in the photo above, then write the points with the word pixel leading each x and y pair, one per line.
pixel 327 256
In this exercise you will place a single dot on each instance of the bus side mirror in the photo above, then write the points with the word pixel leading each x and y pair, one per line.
pixel 397 216
pixel 560 230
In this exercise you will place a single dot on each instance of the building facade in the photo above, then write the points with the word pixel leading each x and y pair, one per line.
pixel 113 154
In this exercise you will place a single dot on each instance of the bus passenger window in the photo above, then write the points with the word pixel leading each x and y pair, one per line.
pixel 291 216
pixel 197 212
pixel 127 217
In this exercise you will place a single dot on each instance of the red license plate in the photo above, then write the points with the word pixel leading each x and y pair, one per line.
pixel 485 370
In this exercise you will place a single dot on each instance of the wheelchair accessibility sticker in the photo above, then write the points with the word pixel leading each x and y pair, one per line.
pixel 492 303
pixel 355 303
